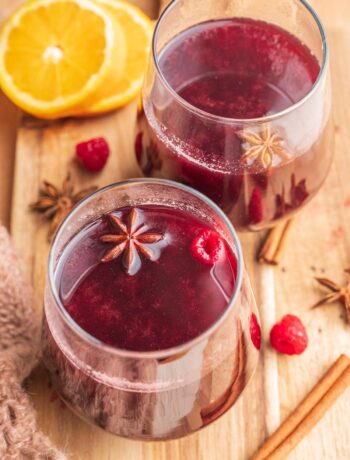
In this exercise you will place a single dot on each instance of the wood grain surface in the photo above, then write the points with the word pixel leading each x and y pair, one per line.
pixel 319 244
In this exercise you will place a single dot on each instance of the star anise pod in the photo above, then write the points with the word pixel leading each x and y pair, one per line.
pixel 131 241
pixel 338 294
pixel 56 203
pixel 262 146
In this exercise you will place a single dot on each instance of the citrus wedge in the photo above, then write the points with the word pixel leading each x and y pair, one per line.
pixel 54 54
pixel 138 29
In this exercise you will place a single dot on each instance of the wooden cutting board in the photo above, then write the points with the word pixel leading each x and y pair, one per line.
pixel 319 243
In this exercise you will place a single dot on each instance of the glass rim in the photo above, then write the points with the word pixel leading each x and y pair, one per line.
pixel 220 119
pixel 156 354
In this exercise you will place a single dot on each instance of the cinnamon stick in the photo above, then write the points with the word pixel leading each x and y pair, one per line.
pixel 275 243
pixel 308 413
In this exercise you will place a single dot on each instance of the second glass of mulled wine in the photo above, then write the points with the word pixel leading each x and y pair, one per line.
pixel 151 328
pixel 237 104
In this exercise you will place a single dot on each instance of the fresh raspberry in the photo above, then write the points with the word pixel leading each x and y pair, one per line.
pixel 93 154
pixel 208 247
pixel 255 206
pixel 138 146
pixel 255 331
pixel 289 336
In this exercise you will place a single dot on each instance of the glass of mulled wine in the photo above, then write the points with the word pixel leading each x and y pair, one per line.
pixel 236 103
pixel 150 328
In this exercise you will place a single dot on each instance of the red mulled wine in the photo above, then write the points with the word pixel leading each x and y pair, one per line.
pixel 140 311
pixel 150 327
pixel 239 68
pixel 207 119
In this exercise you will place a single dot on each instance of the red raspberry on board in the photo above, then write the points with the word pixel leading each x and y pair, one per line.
pixel 208 247
pixel 255 331
pixel 289 336
pixel 93 154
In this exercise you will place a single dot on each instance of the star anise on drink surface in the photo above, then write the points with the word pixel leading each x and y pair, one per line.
pixel 263 146
pixel 56 203
pixel 338 294
pixel 131 241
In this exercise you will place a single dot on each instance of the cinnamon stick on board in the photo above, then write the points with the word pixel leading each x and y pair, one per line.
pixel 275 243
pixel 308 413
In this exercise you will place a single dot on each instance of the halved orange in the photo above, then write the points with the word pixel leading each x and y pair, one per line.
pixel 55 54
pixel 138 29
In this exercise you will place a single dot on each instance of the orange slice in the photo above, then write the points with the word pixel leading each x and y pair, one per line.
pixel 55 54
pixel 138 29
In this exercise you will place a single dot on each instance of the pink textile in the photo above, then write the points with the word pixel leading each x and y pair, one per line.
pixel 20 437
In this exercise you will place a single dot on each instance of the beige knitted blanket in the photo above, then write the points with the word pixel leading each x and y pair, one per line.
pixel 19 352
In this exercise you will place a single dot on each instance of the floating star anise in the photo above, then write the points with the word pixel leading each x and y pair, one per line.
pixel 55 204
pixel 338 294
pixel 263 146
pixel 131 241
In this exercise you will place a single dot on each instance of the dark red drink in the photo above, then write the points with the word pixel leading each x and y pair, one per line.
pixel 141 312
pixel 150 326
pixel 195 127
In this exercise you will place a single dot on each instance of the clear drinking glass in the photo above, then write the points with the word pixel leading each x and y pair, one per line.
pixel 150 395
pixel 237 105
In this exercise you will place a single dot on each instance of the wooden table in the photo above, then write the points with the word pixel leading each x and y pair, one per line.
pixel 320 243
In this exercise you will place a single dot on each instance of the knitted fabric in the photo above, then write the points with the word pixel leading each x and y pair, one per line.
pixel 19 345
